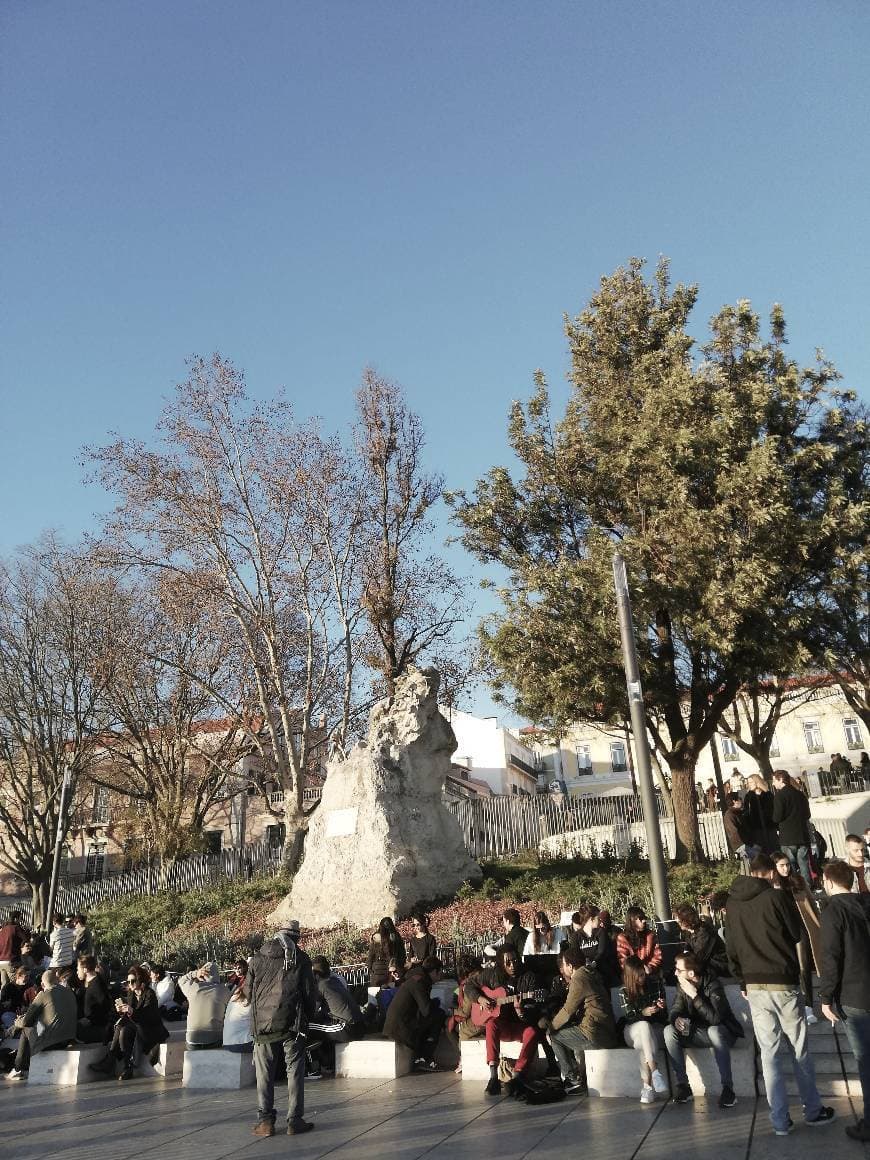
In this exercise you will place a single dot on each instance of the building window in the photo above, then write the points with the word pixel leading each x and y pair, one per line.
pixel 100 809
pixel 774 746
pixel 730 748
pixel 584 760
pixel 618 764
pixel 275 835
pixel 852 730
pixel 813 737
pixel 214 841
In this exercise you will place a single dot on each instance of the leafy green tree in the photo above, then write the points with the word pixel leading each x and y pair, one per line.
pixel 719 479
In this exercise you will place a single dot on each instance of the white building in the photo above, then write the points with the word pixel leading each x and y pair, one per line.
pixel 493 754
pixel 816 723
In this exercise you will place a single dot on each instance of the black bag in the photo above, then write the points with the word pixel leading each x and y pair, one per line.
pixel 543 1091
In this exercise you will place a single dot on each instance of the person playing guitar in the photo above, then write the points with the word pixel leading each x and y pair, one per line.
pixel 504 1019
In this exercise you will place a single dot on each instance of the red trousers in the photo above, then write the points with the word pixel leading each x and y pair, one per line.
pixel 510 1028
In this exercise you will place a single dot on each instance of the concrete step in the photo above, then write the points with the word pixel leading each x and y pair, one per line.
pixel 829 1087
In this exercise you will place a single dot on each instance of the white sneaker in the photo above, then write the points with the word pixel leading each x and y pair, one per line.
pixel 660 1084
pixel 647 1095
pixel 812 1017
pixel 14 1076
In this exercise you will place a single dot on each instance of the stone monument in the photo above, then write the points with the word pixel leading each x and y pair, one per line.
pixel 381 841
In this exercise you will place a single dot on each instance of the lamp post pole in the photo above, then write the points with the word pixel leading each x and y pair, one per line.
pixel 58 844
pixel 658 871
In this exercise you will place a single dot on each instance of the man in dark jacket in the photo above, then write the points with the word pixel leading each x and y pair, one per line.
pixel 735 825
pixel 762 931
pixel 515 934
pixel 791 816
pixel 700 1016
pixel 280 987
pixel 702 940
pixel 413 1018
pixel 97 1006
pixel 338 1018
pixel 845 985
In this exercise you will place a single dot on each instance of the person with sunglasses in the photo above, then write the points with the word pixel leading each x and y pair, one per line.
pixel 138 1030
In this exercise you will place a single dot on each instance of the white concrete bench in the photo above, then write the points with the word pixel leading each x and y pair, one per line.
pixel 473 1056
pixel 615 1071
pixel 218 1070
pixel 170 1059
pixel 372 1058
pixel 65 1067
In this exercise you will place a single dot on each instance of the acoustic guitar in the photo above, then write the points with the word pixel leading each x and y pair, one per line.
pixel 480 1016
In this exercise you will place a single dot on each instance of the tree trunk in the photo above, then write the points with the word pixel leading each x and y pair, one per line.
pixel 294 841
pixel 688 839
pixel 662 783
pixel 39 902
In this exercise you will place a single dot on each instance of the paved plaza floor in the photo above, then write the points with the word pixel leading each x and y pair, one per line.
pixel 433 1116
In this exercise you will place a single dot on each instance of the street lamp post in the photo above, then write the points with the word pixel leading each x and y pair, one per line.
pixel 58 843
pixel 658 871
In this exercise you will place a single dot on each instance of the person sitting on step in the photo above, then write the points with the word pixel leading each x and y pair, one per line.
pixel 506 1020
pixel 138 1030
pixel 338 1018
pixel 644 1009
pixel 701 1016
pixel 414 1019
pixel 54 1010
pixel 585 1020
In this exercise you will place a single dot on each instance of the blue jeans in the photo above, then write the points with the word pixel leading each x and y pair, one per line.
pixel 799 856
pixel 718 1037
pixel 777 1015
pixel 857 1024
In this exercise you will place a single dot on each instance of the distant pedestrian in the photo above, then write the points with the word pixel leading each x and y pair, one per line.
pixel 758 810
pixel 283 995
pixel 845 981
pixel 791 816
pixel 62 943
pixel 12 938
pixel 762 931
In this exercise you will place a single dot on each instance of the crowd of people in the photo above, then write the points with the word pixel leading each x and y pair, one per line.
pixel 559 989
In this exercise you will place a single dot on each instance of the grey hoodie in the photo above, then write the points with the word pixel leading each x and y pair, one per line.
pixel 207 1002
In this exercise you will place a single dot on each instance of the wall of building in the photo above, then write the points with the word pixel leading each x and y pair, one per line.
pixel 486 748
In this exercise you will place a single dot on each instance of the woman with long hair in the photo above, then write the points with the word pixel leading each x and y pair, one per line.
pixel 642 999
pixel 785 878
pixel 636 938
pixel 758 816
pixel 139 1029
pixel 544 938
pixel 386 943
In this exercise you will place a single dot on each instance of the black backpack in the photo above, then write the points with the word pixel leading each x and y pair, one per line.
pixel 543 1091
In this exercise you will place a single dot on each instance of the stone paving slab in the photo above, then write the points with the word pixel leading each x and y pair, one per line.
pixel 432 1116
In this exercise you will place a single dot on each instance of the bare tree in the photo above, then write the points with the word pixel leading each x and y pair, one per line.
pixel 57 614
pixel 413 600
pixel 223 506
pixel 173 749
pixel 752 717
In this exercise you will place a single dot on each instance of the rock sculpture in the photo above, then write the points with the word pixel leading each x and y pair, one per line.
pixel 381 840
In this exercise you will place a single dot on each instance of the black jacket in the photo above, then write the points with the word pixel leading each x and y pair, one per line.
pixel 97 1004
pixel 492 977
pixel 281 989
pixel 145 1015
pixel 604 958
pixel 516 938
pixel 409 1005
pixel 734 822
pixel 758 824
pixel 845 962
pixel 709 1008
pixel 762 930
pixel 708 948
pixel 422 945
pixel 791 815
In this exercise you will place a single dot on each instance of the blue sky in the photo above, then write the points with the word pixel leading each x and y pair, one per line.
pixel 313 187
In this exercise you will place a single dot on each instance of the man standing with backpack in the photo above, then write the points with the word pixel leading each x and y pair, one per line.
pixel 281 990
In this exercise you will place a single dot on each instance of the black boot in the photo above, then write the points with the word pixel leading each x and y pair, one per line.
pixel 104 1066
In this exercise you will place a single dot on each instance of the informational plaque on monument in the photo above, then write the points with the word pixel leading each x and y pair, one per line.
pixel 341 823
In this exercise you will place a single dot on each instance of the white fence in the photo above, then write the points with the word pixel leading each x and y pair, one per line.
pixel 499 826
